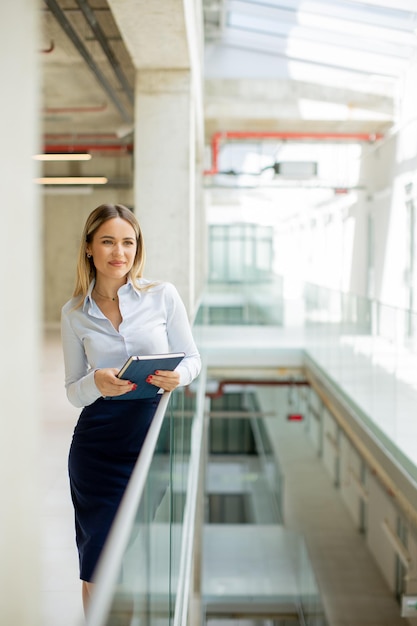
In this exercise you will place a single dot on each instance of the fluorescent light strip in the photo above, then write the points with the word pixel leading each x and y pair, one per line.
pixel 63 157
pixel 72 180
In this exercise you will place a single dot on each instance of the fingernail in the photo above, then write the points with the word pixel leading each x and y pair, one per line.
pixel 134 386
pixel 157 372
pixel 148 380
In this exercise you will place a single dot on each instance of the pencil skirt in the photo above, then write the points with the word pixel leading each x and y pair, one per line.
pixel 105 446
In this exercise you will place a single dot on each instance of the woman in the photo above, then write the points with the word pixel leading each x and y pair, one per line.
pixel 114 314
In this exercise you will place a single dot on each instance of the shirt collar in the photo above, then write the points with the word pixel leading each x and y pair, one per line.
pixel 88 300
pixel 129 287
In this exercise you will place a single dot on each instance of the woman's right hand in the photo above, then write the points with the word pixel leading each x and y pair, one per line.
pixel 109 385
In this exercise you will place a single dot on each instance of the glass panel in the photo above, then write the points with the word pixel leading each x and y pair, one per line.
pixel 235 270
pixel 310 601
pixel 145 591
pixel 240 253
pixel 217 260
pixel 182 418
pixel 367 350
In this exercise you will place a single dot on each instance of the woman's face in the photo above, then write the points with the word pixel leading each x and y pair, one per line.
pixel 113 249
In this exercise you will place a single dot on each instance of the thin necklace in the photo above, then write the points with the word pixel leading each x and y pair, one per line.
pixel 105 297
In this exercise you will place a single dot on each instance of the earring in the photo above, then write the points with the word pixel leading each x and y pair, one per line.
pixel 88 255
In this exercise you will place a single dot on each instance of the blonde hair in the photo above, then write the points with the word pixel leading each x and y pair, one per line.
pixel 85 266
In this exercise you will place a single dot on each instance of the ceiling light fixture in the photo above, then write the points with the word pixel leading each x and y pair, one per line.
pixel 72 156
pixel 72 180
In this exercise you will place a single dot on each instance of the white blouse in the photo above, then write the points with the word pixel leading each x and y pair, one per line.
pixel 154 321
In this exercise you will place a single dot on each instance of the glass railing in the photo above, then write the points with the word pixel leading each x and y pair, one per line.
pixel 143 574
pixel 311 610
pixel 147 573
pixel 249 303
pixel 269 487
pixel 266 577
pixel 368 352
pixel 366 349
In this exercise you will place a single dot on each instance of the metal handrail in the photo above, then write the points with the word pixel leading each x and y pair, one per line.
pixel 188 527
pixel 108 566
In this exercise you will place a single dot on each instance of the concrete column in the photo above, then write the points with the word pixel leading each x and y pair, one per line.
pixel 165 176
pixel 20 326
pixel 201 231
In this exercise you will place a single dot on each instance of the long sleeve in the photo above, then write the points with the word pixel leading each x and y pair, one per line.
pixel 79 378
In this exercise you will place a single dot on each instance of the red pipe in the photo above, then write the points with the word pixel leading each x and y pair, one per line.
pixel 125 148
pixel 50 49
pixel 289 383
pixel 215 142
pixel 294 136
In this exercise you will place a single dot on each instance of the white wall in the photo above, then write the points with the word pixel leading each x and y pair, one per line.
pixel 350 478
pixel 320 239
pixel 21 292
pixel 380 509
pixel 354 486
pixel 385 180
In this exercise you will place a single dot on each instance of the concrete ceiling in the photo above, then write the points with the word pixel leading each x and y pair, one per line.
pixel 85 91
pixel 280 65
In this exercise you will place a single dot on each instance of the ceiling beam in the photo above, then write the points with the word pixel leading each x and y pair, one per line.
pixel 104 43
pixel 79 45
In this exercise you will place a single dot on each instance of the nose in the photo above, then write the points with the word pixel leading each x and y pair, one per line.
pixel 118 249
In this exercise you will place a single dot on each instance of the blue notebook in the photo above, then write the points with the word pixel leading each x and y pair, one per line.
pixel 138 368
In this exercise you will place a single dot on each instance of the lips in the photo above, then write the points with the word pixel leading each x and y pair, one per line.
pixel 117 263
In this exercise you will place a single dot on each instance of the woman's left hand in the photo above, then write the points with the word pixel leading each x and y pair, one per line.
pixel 165 379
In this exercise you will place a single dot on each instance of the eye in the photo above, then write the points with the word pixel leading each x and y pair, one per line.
pixel 107 241
pixel 129 243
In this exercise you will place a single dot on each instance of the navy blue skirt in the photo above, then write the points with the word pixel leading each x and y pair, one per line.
pixel 105 446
